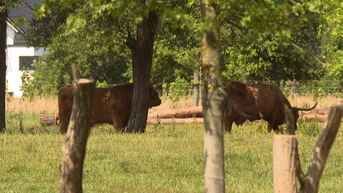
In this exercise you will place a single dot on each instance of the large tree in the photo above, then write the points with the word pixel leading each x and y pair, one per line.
pixel 134 23
pixel 141 48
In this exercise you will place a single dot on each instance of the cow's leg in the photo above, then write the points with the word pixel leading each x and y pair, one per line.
pixel 228 126
pixel 116 123
pixel 270 127
pixel 120 120
pixel 276 129
pixel 64 122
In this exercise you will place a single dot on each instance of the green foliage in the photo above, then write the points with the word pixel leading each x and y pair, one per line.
pixel 6 4
pixel 177 89
pixel 271 42
pixel 96 56
pixel 331 33
pixel 29 89
pixel 111 23
pixel 25 123
pixel 268 41
pixel 311 128
pixel 176 55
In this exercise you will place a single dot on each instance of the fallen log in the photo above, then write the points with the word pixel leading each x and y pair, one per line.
pixel 190 115
pixel 178 113
pixel 316 115
pixel 46 119
pixel 175 120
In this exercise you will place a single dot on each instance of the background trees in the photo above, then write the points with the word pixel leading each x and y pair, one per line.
pixel 266 41
pixel 101 57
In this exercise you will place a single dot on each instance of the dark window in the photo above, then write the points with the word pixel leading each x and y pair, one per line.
pixel 25 62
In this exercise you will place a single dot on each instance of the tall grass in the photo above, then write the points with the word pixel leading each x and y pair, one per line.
pixel 168 159
pixel 36 105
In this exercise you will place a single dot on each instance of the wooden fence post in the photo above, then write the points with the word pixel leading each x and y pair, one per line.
pixel 286 161
pixel 284 168
pixel 74 150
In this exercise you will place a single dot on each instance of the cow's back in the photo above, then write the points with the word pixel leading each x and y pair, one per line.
pixel 270 101
pixel 254 101
pixel 264 98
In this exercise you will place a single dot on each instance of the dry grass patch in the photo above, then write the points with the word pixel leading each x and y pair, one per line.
pixel 36 105
pixel 49 104
pixel 308 101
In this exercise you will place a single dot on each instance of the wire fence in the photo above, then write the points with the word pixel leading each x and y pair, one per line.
pixel 316 88
pixel 309 87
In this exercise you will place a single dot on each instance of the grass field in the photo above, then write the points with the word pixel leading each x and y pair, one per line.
pixel 166 159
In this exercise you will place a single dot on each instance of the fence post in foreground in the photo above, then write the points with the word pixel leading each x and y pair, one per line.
pixel 284 177
pixel 74 150
pixel 284 157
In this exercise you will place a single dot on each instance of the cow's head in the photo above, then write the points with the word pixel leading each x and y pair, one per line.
pixel 154 97
pixel 296 110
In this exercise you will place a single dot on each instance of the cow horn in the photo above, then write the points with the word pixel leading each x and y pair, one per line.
pixel 305 109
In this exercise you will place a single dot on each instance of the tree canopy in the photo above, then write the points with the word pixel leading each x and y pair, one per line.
pixel 268 41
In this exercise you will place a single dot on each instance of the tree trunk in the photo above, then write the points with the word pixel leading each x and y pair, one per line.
pixel 3 36
pixel 74 150
pixel 142 50
pixel 213 100
pixel 196 85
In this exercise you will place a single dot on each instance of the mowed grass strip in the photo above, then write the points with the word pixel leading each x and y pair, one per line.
pixel 167 158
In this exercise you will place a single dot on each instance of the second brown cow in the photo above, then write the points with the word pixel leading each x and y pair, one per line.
pixel 111 105
pixel 258 101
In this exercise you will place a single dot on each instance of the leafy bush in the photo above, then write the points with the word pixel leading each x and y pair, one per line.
pixel 177 89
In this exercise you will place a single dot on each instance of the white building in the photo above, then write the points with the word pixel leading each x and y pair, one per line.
pixel 19 57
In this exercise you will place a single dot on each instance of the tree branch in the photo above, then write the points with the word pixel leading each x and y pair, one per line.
pixel 322 150
pixel 130 41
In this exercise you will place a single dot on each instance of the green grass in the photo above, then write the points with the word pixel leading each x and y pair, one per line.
pixel 168 158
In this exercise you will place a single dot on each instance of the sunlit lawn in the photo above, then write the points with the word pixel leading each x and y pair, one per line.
pixel 168 158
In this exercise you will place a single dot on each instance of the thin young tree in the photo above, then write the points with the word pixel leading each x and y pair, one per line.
pixel 213 100
pixel 3 17
pixel 4 6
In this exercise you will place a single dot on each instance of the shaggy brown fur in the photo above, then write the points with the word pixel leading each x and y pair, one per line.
pixel 257 101
pixel 111 105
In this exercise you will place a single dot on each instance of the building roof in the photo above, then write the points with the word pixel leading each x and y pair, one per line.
pixel 22 11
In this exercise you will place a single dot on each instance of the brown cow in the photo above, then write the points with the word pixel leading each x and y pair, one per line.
pixel 258 101
pixel 111 105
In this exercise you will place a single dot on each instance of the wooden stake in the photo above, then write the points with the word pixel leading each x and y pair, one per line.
pixel 74 150
pixel 284 163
